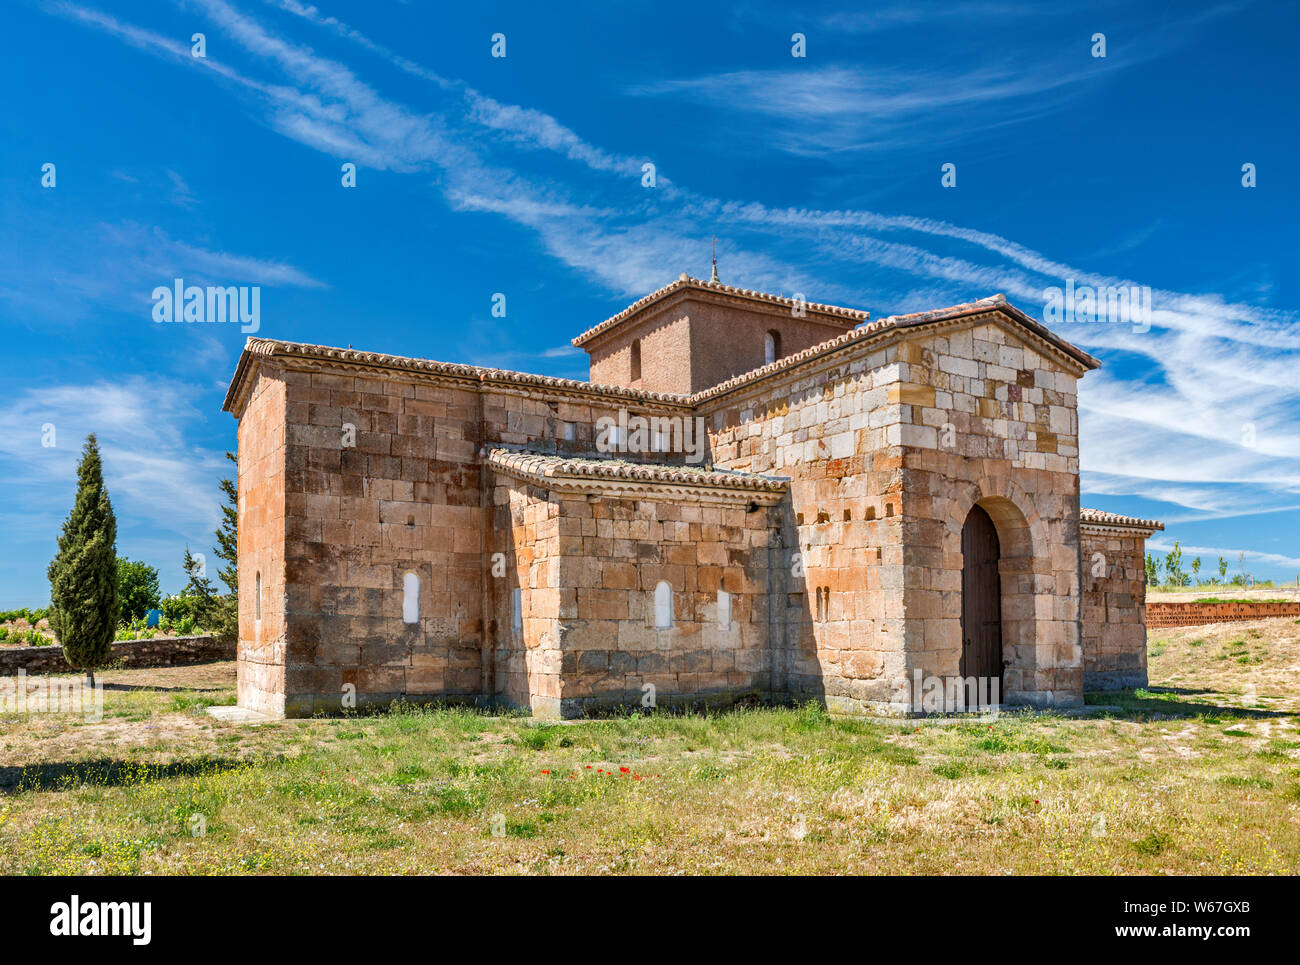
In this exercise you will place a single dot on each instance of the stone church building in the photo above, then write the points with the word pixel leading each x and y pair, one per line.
pixel 753 497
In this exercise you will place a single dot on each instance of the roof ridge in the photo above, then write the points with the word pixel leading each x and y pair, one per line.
pixel 893 323
pixel 684 281
pixel 272 347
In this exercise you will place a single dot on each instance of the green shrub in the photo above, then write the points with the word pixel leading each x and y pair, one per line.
pixel 137 588
pixel 177 607
pixel 31 616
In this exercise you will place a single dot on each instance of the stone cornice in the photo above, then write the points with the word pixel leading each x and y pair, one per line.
pixel 305 357
pixel 616 478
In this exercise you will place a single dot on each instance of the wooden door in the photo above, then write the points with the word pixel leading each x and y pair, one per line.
pixel 981 601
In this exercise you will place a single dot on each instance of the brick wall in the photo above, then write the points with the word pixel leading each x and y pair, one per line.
pixel 155 652
pixel 1163 615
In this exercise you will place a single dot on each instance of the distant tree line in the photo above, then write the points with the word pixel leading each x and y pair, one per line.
pixel 1176 577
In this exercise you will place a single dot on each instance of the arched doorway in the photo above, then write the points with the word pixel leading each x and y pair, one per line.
pixel 981 605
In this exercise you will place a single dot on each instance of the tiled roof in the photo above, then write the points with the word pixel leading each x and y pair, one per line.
pixel 1096 517
pixel 543 467
pixel 894 323
pixel 863 334
pixel 844 315
pixel 271 347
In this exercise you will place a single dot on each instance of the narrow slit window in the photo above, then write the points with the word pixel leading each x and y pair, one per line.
pixel 663 605
pixel 517 620
pixel 771 347
pixel 636 360
pixel 724 609
pixel 410 598
pixel 257 598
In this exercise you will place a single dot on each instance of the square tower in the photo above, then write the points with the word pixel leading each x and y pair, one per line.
pixel 692 335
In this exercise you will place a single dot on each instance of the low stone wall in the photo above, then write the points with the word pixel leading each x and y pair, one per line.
pixel 1165 615
pixel 157 652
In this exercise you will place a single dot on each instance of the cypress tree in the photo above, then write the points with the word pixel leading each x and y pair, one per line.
pixel 83 574
pixel 227 550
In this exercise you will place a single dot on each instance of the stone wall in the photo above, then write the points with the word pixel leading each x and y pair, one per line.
pixel 989 419
pixel 1165 615
pixel 155 652
pixel 261 667
pixel 613 555
pixel 586 555
pixel 838 628
pixel 527 661
pixel 1115 613
pixel 375 479
pixel 890 449
pixel 382 523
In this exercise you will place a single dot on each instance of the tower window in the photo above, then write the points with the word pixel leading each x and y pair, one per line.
pixel 257 598
pixel 771 347
pixel 636 361
pixel 517 597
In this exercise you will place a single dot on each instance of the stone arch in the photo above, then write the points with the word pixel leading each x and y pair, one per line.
pixel 1024 570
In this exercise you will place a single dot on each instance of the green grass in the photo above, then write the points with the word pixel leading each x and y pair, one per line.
pixel 1176 782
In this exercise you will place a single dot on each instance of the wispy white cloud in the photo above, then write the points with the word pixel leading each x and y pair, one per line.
pixel 1214 364
pixel 62 278
pixel 181 194
pixel 148 430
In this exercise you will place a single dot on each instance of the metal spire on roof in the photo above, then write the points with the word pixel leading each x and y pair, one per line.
pixel 713 279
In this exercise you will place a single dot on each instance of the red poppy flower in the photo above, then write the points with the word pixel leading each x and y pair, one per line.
pixel 625 770
pixel 546 772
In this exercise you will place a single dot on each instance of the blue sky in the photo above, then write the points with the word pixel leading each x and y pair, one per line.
pixel 523 175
